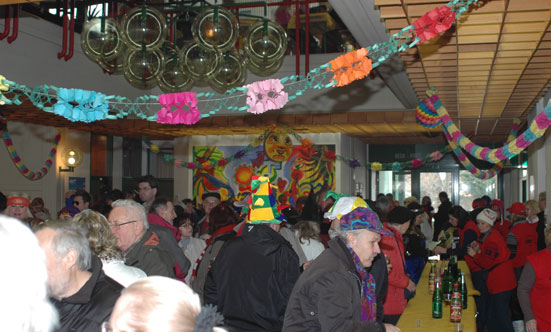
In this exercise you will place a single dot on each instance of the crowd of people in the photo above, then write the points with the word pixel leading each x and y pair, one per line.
pixel 338 263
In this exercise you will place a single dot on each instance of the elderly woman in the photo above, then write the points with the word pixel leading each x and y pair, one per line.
pixel 534 288
pixel 491 254
pixel 160 304
pixel 18 207
pixel 104 244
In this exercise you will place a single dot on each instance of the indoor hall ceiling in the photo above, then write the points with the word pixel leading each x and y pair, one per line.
pixel 493 65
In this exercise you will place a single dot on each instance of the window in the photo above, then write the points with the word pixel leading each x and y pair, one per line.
pixel 471 188
pixel 399 184
pixel 432 183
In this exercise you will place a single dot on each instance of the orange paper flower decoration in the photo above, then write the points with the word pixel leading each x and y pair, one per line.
pixel 350 67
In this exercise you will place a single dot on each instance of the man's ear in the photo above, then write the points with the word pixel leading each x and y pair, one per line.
pixel 351 238
pixel 155 195
pixel 70 258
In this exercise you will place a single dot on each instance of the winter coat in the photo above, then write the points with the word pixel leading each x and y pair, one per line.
pixel 524 237
pixel 494 259
pixel 180 263
pixel 251 280
pixel 86 310
pixel 395 301
pixel 467 235
pixel 327 296
pixel 149 255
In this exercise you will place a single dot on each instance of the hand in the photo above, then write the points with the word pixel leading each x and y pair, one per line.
pixel 441 235
pixel 411 286
pixel 307 264
pixel 530 326
pixel 440 250
pixel 475 246
pixel 391 328
pixel 471 252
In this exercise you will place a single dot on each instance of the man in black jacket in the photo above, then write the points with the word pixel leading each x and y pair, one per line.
pixel 336 293
pixel 441 217
pixel 82 294
pixel 253 275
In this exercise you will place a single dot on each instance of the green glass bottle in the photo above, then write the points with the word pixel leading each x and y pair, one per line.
pixel 437 300
pixel 464 294
pixel 432 277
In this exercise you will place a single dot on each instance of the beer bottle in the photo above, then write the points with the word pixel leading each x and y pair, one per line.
pixel 464 294
pixel 432 276
pixel 437 300
pixel 455 305
pixel 447 286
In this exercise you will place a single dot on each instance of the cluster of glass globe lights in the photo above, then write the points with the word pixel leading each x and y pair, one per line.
pixel 137 46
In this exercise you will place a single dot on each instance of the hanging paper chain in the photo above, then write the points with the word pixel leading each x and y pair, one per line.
pixel 374 166
pixel 536 130
pixel 93 106
pixel 33 176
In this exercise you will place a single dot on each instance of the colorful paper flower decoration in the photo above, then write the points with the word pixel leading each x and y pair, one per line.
pixel 178 163
pixel 416 163
pixel 350 67
pixel 426 115
pixel 154 148
pixel 330 155
pixel 433 23
pixel 354 163
pixel 190 165
pixel 265 95
pixel 376 167
pixel 397 167
pixel 3 87
pixel 178 108
pixel 90 105
pixel 436 155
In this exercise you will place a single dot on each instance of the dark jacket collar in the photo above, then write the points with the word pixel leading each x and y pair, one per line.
pixel 85 293
pixel 338 247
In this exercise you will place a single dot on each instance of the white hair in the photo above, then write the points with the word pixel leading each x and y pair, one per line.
pixel 23 282
pixel 70 235
pixel 157 304
pixel 138 209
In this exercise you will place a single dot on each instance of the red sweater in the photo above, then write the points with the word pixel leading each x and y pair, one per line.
pixel 541 290
pixel 494 256
pixel 527 242
pixel 469 226
pixel 393 246
pixel 502 227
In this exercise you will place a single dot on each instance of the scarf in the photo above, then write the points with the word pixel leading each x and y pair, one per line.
pixel 220 231
pixel 369 299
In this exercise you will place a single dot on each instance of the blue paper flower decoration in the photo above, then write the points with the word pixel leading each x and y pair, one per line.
pixel 396 166
pixel 81 105
pixel 354 163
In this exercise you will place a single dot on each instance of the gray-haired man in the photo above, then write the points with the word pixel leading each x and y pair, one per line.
pixel 82 294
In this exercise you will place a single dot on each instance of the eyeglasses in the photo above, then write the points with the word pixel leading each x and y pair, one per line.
pixel 144 188
pixel 118 226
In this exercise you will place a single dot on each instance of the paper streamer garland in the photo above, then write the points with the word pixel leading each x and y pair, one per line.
pixel 33 176
pixel 339 72
pixel 536 130
pixel 374 166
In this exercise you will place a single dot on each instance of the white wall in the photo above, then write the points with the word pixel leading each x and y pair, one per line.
pixel 33 143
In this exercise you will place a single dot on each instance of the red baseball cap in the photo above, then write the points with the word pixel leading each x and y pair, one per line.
pixel 517 208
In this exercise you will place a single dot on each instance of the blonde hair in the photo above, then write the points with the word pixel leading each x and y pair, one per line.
pixel 157 304
pixel 308 230
pixel 533 204
pixel 102 241
pixel 409 200
pixel 548 234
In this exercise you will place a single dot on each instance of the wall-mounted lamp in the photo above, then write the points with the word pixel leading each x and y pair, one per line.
pixel 71 158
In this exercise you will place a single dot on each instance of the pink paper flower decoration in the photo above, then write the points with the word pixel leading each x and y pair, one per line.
pixel 416 163
pixel 178 163
pixel 433 23
pixel 190 165
pixel 178 108
pixel 266 95
pixel 436 155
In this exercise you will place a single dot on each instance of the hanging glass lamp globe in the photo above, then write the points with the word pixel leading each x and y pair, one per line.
pixel 172 79
pixel 141 68
pixel 199 63
pixel 232 73
pixel 98 37
pixel 265 42
pixel 144 25
pixel 215 28
pixel 264 69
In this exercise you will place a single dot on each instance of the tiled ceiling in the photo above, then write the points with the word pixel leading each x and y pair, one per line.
pixel 491 66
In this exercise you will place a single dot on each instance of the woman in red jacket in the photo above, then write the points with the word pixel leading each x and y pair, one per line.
pixel 491 254
pixel 534 288
pixel 398 281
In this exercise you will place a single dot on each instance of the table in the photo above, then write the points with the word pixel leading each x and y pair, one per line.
pixel 418 313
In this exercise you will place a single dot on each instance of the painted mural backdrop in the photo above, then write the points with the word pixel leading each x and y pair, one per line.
pixel 294 169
